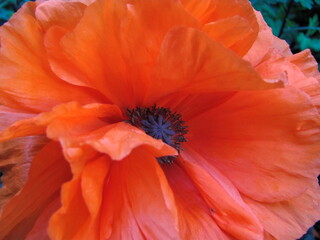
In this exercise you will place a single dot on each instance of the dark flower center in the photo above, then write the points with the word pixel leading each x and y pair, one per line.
pixel 160 123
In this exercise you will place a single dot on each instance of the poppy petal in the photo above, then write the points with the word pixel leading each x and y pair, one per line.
pixel 195 217
pixel 118 140
pixel 107 24
pixel 42 187
pixel 220 32
pixel 193 69
pixel 59 13
pixel 274 132
pixel 69 119
pixel 40 228
pixel 15 160
pixel 229 210
pixel 262 43
pixel 138 202
pixel 81 202
pixel 283 219
pixel 306 63
pixel 24 66
pixel 210 11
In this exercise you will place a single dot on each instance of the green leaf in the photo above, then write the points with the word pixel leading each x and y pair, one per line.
pixel 305 3
pixel 306 42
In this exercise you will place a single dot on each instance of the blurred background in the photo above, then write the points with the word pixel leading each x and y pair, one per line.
pixel 296 21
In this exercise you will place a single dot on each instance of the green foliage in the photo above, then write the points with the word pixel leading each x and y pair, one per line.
pixel 296 21
pixel 8 7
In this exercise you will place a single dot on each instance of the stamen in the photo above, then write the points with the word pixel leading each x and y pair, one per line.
pixel 160 123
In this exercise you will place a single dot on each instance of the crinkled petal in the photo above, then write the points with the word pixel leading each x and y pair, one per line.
pixel 120 139
pixel 265 142
pixel 117 66
pixel 138 202
pixel 211 11
pixel 229 32
pixel 79 216
pixel 26 80
pixel 262 43
pixel 289 219
pixel 199 64
pixel 195 217
pixel 129 199
pixel 59 13
pixel 15 159
pixel 42 187
pixel 306 63
pixel 65 120
pixel 228 209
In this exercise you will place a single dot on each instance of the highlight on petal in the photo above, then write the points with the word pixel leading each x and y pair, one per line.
pixel 306 63
pixel 120 139
pixel 66 14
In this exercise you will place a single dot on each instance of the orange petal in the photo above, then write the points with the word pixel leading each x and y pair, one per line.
pixel 92 182
pixel 70 119
pixel 262 140
pixel 193 69
pixel 71 220
pixel 262 43
pixel 42 187
pixel 40 228
pixel 138 202
pixel 306 63
pixel 26 80
pixel 79 216
pixel 195 217
pixel 59 13
pixel 116 65
pixel 8 116
pixel 221 31
pixel 229 211
pixel 289 219
pixel 120 139
pixel 15 159
pixel 208 11
pixel 192 105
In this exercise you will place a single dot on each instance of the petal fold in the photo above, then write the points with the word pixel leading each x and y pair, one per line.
pixel 42 187
pixel 262 140
pixel 201 64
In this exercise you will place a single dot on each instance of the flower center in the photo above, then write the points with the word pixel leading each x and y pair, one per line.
pixel 160 123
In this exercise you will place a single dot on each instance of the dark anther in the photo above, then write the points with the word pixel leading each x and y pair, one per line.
pixel 160 123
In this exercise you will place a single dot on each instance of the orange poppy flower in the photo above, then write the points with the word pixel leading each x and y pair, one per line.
pixel 162 119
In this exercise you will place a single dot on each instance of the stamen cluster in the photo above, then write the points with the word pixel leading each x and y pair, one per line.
pixel 160 123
